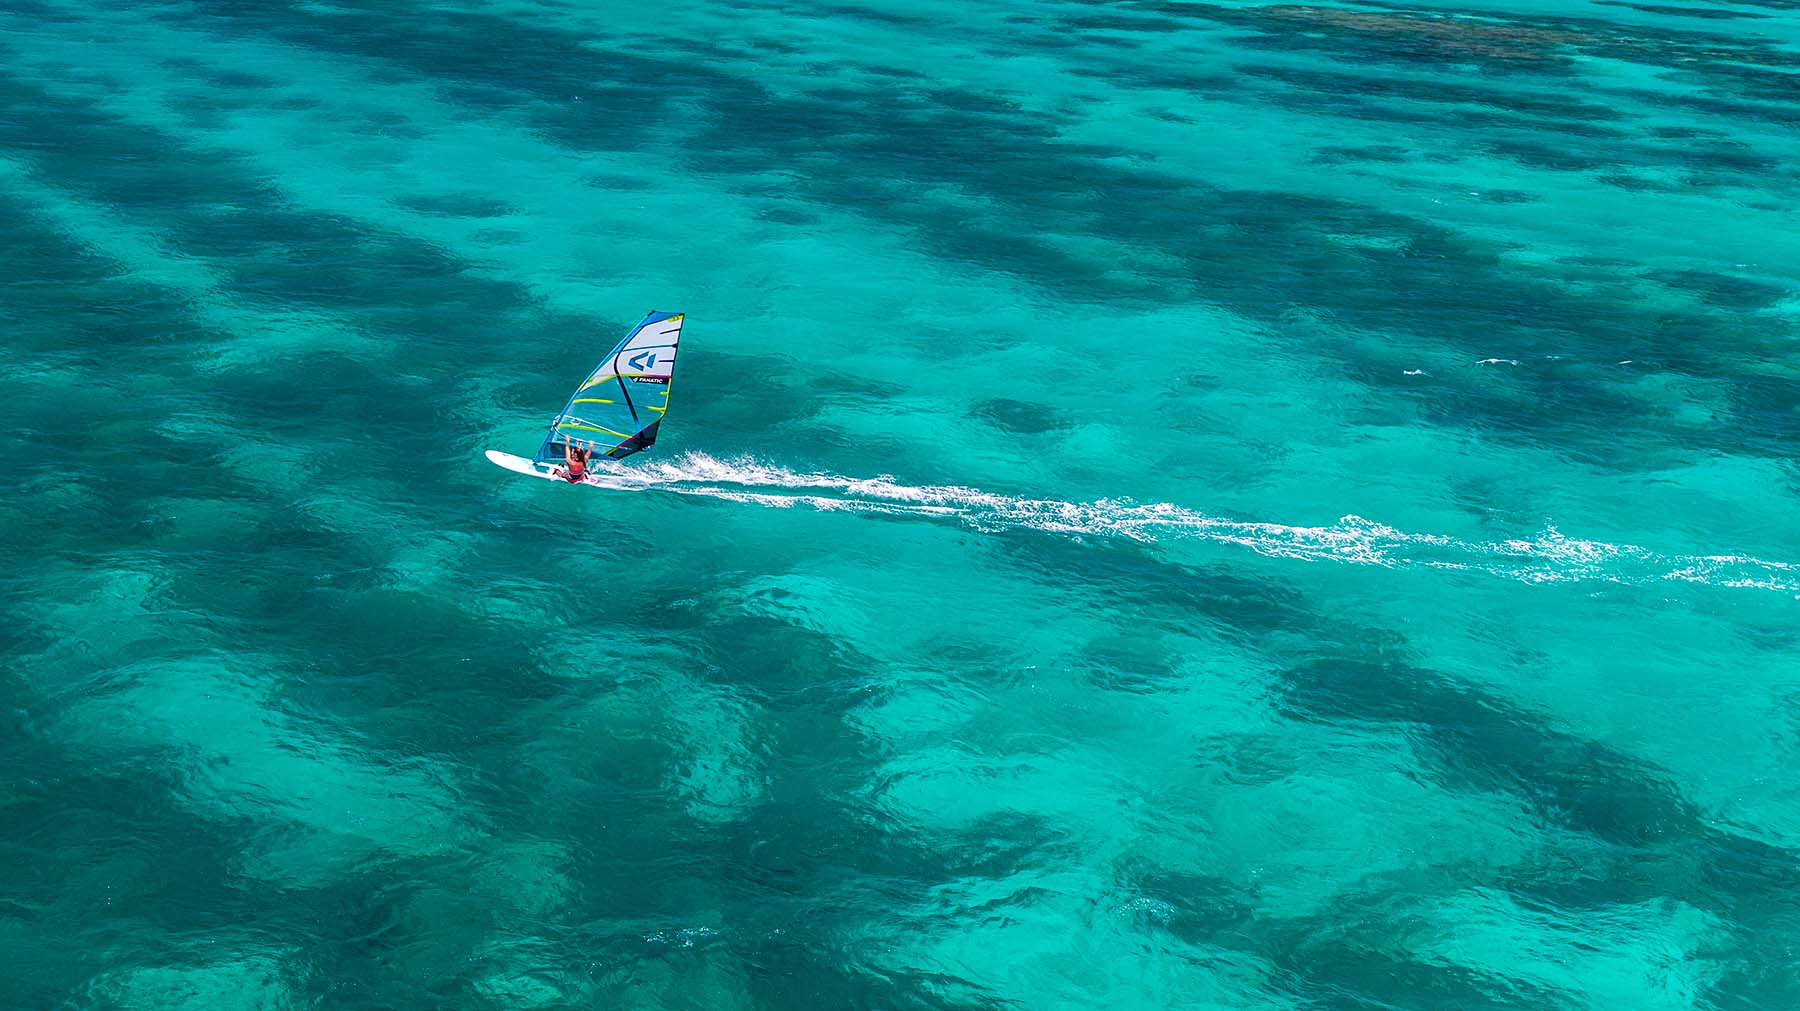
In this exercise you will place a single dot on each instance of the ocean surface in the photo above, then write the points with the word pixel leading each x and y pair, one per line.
pixel 1166 505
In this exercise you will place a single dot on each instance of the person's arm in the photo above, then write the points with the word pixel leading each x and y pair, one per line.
pixel 568 456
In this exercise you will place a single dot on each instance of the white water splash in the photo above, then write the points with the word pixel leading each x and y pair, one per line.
pixel 1549 557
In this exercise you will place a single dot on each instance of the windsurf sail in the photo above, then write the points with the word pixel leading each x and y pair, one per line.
pixel 619 406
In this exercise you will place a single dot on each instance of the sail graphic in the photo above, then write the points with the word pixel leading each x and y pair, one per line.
pixel 618 407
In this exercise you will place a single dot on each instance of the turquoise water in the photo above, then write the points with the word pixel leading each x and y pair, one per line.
pixel 1166 505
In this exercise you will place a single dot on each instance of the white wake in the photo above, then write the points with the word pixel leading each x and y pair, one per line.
pixel 1548 557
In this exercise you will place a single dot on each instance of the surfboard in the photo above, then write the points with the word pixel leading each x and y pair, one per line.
pixel 519 465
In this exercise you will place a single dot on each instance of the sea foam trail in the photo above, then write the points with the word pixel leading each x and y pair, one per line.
pixel 1548 557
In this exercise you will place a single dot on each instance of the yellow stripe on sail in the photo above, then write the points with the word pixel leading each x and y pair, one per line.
pixel 594 428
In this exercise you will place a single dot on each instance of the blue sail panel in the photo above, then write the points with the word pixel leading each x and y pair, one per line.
pixel 619 405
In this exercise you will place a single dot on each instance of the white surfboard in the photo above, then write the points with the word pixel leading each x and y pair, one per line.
pixel 601 473
pixel 520 465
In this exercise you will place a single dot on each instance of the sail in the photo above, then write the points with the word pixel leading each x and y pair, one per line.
pixel 618 407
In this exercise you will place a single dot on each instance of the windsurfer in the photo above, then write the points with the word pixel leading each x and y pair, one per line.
pixel 575 455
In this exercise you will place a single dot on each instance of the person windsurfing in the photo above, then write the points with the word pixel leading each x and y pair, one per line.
pixel 575 455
